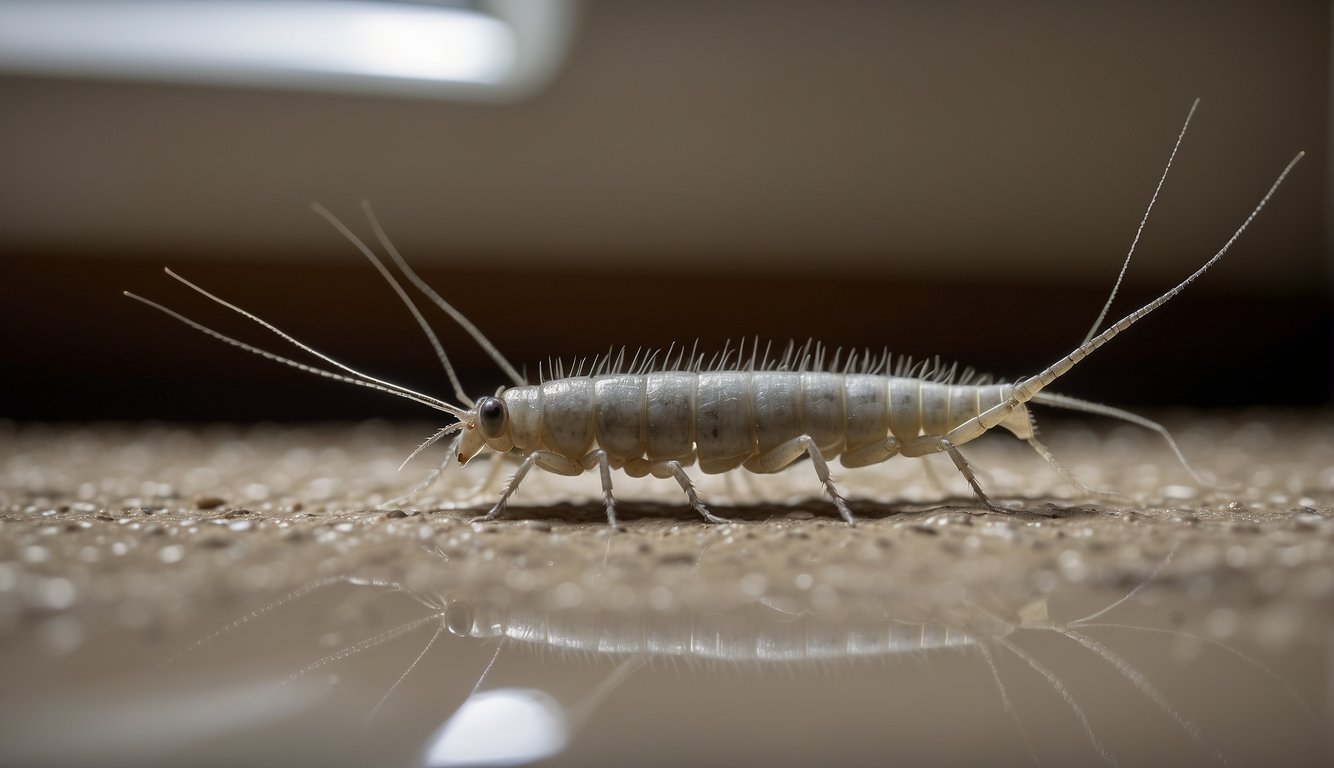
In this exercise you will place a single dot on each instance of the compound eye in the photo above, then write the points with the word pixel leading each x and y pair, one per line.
pixel 458 618
pixel 491 417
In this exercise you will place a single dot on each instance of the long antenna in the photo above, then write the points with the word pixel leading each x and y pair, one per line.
pixel 1024 390
pixel 403 295
pixel 464 323
pixel 358 378
pixel 1125 265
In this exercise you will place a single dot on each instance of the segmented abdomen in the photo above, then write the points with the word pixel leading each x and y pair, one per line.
pixel 723 418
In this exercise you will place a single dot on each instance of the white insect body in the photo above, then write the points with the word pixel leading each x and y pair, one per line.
pixel 763 417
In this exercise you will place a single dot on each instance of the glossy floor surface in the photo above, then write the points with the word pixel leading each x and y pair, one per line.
pixel 232 595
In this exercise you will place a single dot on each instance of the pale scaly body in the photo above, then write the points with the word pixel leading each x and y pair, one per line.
pixel 762 418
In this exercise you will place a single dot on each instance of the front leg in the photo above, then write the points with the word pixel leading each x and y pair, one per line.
pixel 551 462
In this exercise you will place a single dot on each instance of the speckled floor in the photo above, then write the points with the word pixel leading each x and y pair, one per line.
pixel 231 594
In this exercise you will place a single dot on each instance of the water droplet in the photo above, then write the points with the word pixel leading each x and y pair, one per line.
pixel 1073 566
pixel 1179 492
pixel 55 594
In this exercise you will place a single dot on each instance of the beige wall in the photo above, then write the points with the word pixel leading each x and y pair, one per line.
pixel 892 139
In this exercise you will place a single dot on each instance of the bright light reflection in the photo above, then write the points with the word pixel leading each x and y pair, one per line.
pixel 163 38
pixel 509 726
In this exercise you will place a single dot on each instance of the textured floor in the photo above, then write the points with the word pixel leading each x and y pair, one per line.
pixel 124 548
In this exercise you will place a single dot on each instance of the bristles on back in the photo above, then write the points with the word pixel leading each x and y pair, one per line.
pixel 809 356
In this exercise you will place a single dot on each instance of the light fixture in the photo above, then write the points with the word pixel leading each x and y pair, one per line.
pixel 501 49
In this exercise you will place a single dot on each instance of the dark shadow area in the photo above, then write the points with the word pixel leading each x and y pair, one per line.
pixel 77 349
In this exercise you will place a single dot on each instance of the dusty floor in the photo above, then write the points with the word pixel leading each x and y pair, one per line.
pixel 232 594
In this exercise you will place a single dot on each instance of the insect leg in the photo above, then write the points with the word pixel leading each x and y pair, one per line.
pixel 510 486
pixel 928 444
pixel 598 458
pixel 551 462
pixel 673 468
pixel 785 453
pixel 459 499
pixel 431 477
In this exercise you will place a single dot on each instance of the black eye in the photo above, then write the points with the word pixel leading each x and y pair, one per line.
pixel 458 618
pixel 491 416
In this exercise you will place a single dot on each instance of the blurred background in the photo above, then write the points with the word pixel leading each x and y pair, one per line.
pixel 954 178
